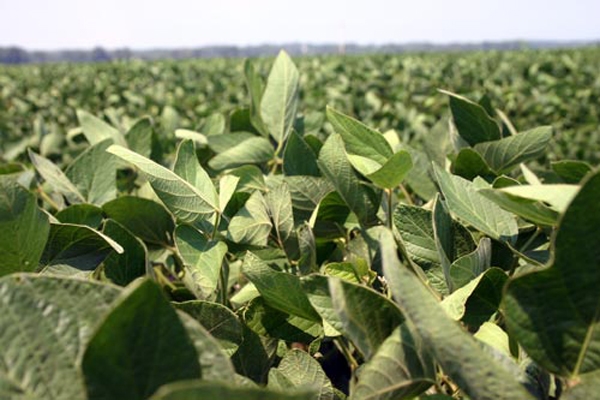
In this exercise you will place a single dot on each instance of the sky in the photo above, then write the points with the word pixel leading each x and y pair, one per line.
pixel 147 24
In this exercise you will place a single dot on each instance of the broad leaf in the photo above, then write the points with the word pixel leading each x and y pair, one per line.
pixel 255 150
pixel 94 174
pixel 184 200
pixel 252 224
pixel 370 147
pixel 473 123
pixel 475 302
pixel 572 171
pixel 362 200
pixel 139 137
pixel 367 317
pixel 401 368
pixel 82 214
pixel 96 130
pixel 557 196
pixel 133 263
pixel 120 361
pixel 218 320
pixel 280 99
pixel 460 356
pixel 280 290
pixel 202 261
pixel 57 179
pixel 467 204
pixel 23 229
pixel 393 172
pixel 187 167
pixel 146 219
pixel 299 158
pixel 78 246
pixel 503 154
pixel 256 88
pixel 303 372
pixel 555 313
pixel 216 390
pixel 270 322
pixel 45 325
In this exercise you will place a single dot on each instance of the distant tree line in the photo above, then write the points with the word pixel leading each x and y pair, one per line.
pixel 17 55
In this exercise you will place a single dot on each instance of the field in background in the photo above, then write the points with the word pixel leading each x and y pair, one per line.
pixel 560 88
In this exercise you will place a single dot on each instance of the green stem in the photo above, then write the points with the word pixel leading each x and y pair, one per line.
pixel 48 199
pixel 407 196
pixel 216 227
pixel 343 348
pixel 390 220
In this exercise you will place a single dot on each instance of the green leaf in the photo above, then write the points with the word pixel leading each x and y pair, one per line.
pixel 139 137
pixel 279 202
pixel 302 371
pixel 530 210
pixel 469 266
pixel 94 174
pixel 501 155
pixel 45 325
pixel 280 99
pixel 123 268
pixel 361 200
pixel 218 320
pixel 256 88
pixel 280 290
pixel 199 139
pixel 217 390
pixel 202 259
pixel 475 302
pixel 316 288
pixel 189 169
pixel 393 172
pixel 96 130
pixel 270 322
pixel 120 361
pixel 473 123
pixel 24 229
pixel 255 150
pixel 308 191
pixel 184 200
pixel 460 356
pixel 145 218
pixel 227 186
pixel 469 165
pixel 252 224
pixel 254 356
pixel 471 207
pixel 222 143
pixel 557 196
pixel 362 141
pixel 78 246
pixel 400 369
pixel 572 171
pixel 57 179
pixel 299 158
pixel 367 317
pixel 214 361
pixel 555 313
pixel 82 214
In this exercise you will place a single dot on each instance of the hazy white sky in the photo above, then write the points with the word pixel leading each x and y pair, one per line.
pixel 60 24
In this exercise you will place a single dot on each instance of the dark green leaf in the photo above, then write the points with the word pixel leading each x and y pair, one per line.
pixel 555 313
pixel 120 361
pixel 23 229
pixel 145 218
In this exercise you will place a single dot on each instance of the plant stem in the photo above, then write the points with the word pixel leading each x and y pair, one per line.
pixel 409 199
pixel 390 221
pixel 343 348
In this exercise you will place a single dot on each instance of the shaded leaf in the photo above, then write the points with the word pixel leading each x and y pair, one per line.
pixel 555 313
pixel 24 229
pixel 460 356
pixel 468 205
pixel 120 359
